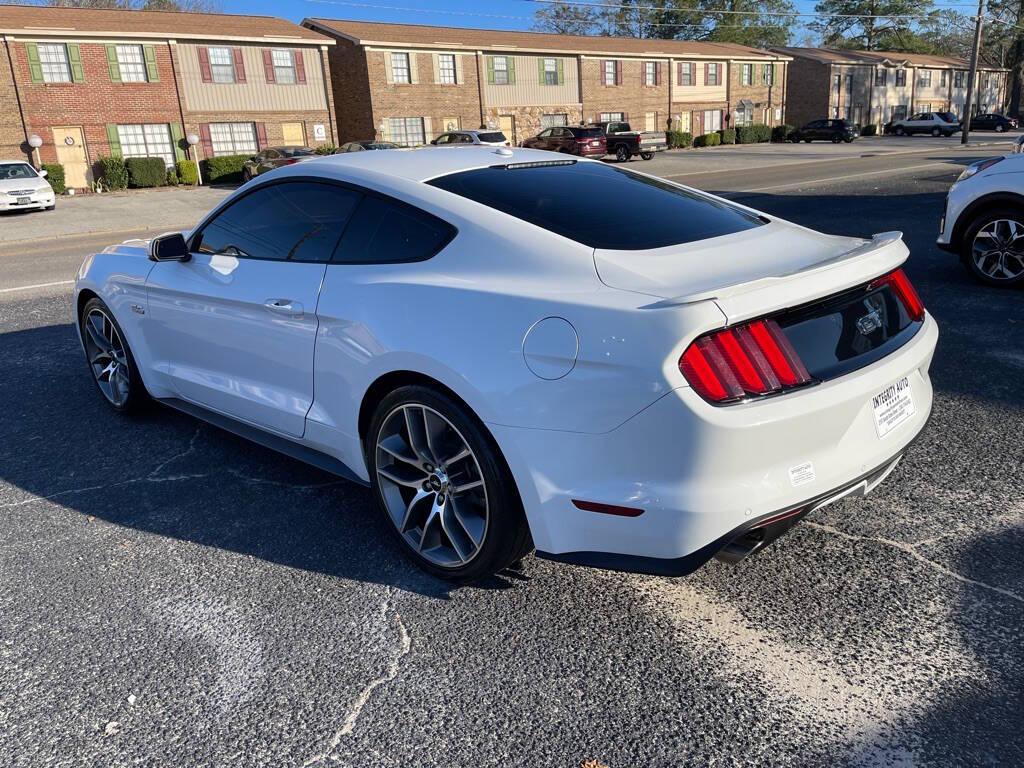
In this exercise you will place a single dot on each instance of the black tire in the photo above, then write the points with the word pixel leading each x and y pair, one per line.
pixel 966 254
pixel 646 155
pixel 1000 128
pixel 936 132
pixel 899 130
pixel 807 141
pixel 138 397
pixel 848 139
pixel 836 138
pixel 52 207
pixel 507 536
pixel 622 153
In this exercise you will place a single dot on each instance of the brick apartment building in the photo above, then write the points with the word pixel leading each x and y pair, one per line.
pixel 876 86
pixel 408 83
pixel 136 83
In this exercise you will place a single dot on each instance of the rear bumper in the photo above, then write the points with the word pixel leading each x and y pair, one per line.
pixel 599 151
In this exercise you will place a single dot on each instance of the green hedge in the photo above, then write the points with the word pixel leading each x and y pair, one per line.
pixel 325 149
pixel 224 170
pixel 781 133
pixel 172 177
pixel 679 139
pixel 707 140
pixel 146 171
pixel 187 172
pixel 727 135
pixel 869 130
pixel 113 172
pixel 753 134
pixel 55 175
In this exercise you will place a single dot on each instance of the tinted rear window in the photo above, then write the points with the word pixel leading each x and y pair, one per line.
pixel 599 205
pixel 586 133
pixel 496 136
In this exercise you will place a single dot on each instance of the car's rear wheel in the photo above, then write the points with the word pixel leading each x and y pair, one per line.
pixel 836 138
pixel 936 132
pixel 646 155
pixel 1000 128
pixel 993 247
pixel 900 131
pixel 622 153
pixel 443 486
pixel 110 359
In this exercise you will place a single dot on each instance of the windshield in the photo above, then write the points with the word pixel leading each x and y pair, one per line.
pixel 296 152
pixel 17 171
pixel 492 136
pixel 563 196
pixel 380 145
pixel 587 133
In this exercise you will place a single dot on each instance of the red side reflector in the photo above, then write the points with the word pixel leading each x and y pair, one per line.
pixel 607 509
pixel 904 290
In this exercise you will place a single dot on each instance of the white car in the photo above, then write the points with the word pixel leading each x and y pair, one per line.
pixel 482 137
pixel 934 123
pixel 642 391
pixel 984 219
pixel 22 187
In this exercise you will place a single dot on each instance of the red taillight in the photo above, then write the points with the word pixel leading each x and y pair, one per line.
pixel 901 286
pixel 752 359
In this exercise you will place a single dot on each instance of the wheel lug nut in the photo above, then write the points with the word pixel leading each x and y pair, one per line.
pixel 428 467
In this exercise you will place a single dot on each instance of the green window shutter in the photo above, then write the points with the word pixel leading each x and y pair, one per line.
pixel 540 70
pixel 490 70
pixel 32 51
pixel 75 58
pixel 113 140
pixel 176 136
pixel 112 66
pixel 152 73
pixel 561 71
pixel 511 70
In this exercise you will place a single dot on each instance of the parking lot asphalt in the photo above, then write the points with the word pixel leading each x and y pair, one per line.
pixel 173 595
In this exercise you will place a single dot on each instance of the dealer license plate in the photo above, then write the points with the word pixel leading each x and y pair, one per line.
pixel 893 406
pixel 24 200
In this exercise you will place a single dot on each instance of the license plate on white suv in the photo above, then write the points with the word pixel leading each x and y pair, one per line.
pixel 893 406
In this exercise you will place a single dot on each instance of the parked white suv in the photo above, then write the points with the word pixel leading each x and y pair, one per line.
pixel 984 219
pixel 935 123
pixel 22 187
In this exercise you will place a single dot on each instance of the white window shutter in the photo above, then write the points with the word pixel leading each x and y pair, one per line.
pixel 389 75
pixel 458 69
pixel 435 61
pixel 428 130
pixel 414 74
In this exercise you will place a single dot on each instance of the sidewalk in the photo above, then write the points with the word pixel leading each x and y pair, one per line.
pixel 158 209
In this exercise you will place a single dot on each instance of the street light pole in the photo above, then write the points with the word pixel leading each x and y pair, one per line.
pixel 965 133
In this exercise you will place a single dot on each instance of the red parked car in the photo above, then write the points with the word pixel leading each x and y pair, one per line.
pixel 581 140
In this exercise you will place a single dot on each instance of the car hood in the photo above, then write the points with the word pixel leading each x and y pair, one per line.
pixel 759 270
pixel 36 184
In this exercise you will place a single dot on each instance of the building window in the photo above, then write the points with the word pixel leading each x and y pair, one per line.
pixel 446 68
pixel 400 68
pixel 284 66
pixel 746 74
pixel 686 73
pixel 924 77
pixel 500 70
pixel 768 74
pixel 650 73
pixel 924 107
pixel 881 77
pixel 222 65
pixel 745 113
pixel 407 131
pixel 611 69
pixel 53 57
pixel 899 112
pixel 550 72
pixel 712 73
pixel 943 79
pixel 712 120
pixel 553 121
pixel 901 78
pixel 131 63
pixel 233 138
pixel 146 141
pixel 611 117
pixel 959 79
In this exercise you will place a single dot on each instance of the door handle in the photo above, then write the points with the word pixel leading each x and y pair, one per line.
pixel 284 307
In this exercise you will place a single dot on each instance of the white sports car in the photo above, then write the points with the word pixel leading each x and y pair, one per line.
pixel 517 351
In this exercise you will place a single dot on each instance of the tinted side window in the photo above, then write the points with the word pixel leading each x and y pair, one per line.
pixel 386 231
pixel 296 220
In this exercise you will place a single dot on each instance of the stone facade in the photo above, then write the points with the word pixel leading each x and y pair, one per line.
pixel 528 121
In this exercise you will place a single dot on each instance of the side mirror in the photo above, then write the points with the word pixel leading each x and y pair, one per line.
pixel 169 247
pixel 43 174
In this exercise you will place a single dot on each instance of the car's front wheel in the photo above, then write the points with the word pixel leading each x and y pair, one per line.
pixel 622 153
pixel 836 138
pixel 1000 128
pixel 900 131
pixel 646 155
pixel 993 247
pixel 936 132
pixel 443 486
pixel 110 358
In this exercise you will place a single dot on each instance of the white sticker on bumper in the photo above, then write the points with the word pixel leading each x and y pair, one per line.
pixel 893 406
pixel 801 474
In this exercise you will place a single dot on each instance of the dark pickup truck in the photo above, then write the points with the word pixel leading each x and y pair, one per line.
pixel 624 142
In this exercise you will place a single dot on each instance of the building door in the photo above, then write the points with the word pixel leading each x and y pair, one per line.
pixel 70 144
pixel 683 122
pixel 507 124
pixel 293 135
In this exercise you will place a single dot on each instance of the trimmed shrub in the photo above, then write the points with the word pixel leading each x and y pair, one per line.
pixel 146 171
pixel 781 133
pixel 55 175
pixel 172 177
pixel 727 136
pixel 869 130
pixel 187 172
pixel 753 134
pixel 679 139
pixel 707 140
pixel 113 172
pixel 325 149
pixel 224 170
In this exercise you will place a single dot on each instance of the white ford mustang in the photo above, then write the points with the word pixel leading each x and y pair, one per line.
pixel 517 351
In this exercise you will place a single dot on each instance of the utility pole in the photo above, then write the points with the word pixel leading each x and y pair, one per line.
pixel 969 103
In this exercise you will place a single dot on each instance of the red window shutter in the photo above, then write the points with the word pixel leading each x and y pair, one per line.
pixel 261 135
pixel 239 65
pixel 679 73
pixel 657 73
pixel 706 74
pixel 207 141
pixel 625 117
pixel 204 64
pixel 268 66
pixel 300 67
pixel 618 72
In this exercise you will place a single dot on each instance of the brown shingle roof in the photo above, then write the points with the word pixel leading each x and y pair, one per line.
pixel 846 56
pixel 368 32
pixel 44 20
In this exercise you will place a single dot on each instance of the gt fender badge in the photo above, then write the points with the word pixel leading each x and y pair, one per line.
pixel 137 309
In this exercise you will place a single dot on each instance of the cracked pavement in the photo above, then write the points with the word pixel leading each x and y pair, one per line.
pixel 172 595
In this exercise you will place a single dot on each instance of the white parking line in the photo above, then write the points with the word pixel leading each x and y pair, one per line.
pixel 828 180
pixel 37 285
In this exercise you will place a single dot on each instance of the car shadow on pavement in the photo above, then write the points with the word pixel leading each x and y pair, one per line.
pixel 169 474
